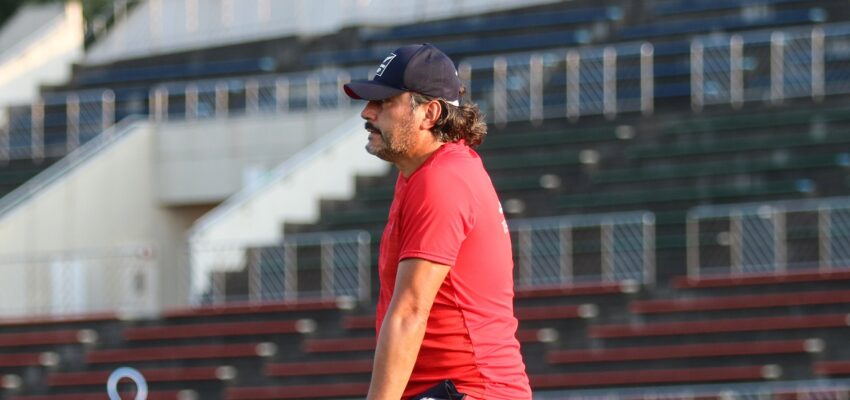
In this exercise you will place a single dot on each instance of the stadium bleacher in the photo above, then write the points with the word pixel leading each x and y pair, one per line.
pixel 630 338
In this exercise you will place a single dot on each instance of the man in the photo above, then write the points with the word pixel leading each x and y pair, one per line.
pixel 445 310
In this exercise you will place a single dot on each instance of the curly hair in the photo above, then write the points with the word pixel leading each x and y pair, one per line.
pixel 464 122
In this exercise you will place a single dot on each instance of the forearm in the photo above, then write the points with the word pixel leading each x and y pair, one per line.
pixel 398 346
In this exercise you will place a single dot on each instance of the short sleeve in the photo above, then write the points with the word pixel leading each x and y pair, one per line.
pixel 436 216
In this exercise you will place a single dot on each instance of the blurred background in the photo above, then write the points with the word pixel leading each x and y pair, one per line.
pixel 184 191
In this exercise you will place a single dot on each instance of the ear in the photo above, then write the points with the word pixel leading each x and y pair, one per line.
pixel 433 109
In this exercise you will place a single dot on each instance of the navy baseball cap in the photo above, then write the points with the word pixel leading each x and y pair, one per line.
pixel 420 68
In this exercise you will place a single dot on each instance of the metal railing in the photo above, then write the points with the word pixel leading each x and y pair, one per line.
pixel 302 266
pixel 774 237
pixel 734 69
pixel 562 251
pixel 119 280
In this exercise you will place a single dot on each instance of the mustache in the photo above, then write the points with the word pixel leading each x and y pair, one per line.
pixel 371 128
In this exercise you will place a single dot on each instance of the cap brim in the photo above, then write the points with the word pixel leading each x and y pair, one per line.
pixel 370 90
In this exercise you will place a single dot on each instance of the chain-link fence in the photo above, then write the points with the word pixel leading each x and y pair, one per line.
pixel 769 237
pixel 114 280
pixel 584 249
pixel 303 266
pixel 756 66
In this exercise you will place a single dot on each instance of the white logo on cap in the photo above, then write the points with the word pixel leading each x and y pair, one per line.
pixel 385 64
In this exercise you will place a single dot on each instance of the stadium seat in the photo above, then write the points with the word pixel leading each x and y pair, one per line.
pixel 172 353
pixel 643 377
pixel 98 378
pixel 236 308
pixel 759 279
pixel 718 303
pixel 332 367
pixel 314 391
pixel 188 331
pixel 713 326
pixel 152 395
pixel 664 352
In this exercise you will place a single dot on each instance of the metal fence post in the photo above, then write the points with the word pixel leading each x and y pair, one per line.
pixel 649 249
pixel 500 91
pixel 252 96
pixel 697 76
pixel 222 94
pixel 647 79
pixel 535 93
pixel 5 144
pixel 290 271
pixel 818 65
pixel 573 85
pixel 364 261
pixel 736 71
pixel 255 284
pixel 107 109
pixel 566 252
pixel 159 104
pixel 735 246
pixel 692 243
pixel 780 240
pixel 606 232
pixel 190 96
pixel 609 82
pixel 464 71
pixel 312 93
pixel 72 121
pixel 524 244
pixel 281 95
pixel 327 266
pixel 343 101
pixel 825 237
pixel 37 120
pixel 777 67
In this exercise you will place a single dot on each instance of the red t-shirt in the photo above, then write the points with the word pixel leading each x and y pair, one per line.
pixel 447 212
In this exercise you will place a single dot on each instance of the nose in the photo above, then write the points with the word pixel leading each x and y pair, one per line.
pixel 369 111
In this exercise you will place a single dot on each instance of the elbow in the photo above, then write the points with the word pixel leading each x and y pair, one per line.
pixel 410 318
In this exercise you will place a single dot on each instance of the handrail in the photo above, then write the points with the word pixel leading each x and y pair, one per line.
pixel 74 159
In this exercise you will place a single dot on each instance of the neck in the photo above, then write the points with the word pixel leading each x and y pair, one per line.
pixel 409 165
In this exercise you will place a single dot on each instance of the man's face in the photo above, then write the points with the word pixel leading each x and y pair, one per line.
pixel 391 125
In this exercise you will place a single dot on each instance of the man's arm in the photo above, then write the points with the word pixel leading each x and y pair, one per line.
pixel 416 286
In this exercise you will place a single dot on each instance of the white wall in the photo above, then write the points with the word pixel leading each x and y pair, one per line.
pixel 207 161
pixel 69 239
pixel 38 46
pixel 291 193
pixel 164 26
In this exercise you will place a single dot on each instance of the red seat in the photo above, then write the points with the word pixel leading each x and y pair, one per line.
pixel 643 376
pixel 813 275
pixel 830 368
pixel 332 367
pixel 316 391
pixel 684 351
pixel 740 302
pixel 101 394
pixel 214 330
pixel 69 336
pixel 28 359
pixel 718 326
pixel 578 289
pixel 180 353
pixel 252 308
pixel 151 375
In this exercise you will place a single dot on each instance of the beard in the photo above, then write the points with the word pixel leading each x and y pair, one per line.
pixel 395 143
